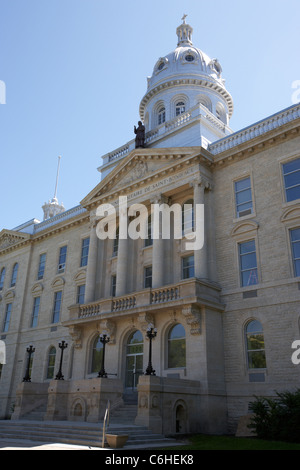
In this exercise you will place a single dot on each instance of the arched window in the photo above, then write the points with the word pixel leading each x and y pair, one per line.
pixel 179 108
pixel 176 347
pixel 161 115
pixel 188 217
pixel 255 345
pixel 2 276
pixel 97 353
pixel 14 275
pixel 51 362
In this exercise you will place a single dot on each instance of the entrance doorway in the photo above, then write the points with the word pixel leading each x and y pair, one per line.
pixel 134 360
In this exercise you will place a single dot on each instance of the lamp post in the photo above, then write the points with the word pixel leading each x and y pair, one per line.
pixel 30 351
pixel 151 334
pixel 104 338
pixel 62 345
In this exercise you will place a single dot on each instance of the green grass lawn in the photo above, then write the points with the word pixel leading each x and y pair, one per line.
pixel 203 442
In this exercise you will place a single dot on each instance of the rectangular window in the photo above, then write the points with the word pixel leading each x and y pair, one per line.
pixel 188 269
pixel 7 317
pixel 243 197
pixel 291 175
pixel 80 294
pixel 57 306
pixel 148 276
pixel 42 264
pixel 295 241
pixel 85 252
pixel 35 311
pixel 62 259
pixel 248 264
pixel 113 285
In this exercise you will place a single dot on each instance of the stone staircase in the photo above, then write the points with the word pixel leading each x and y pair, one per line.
pixel 33 428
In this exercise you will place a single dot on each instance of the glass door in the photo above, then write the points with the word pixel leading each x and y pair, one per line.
pixel 134 359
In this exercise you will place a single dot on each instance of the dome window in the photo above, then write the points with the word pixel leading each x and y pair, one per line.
pixel 179 108
pixel 160 66
pixel 189 58
pixel 161 115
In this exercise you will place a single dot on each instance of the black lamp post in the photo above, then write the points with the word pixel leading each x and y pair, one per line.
pixel 62 345
pixel 30 351
pixel 151 334
pixel 104 338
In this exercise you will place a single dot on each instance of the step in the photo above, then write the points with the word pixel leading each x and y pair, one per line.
pixel 78 433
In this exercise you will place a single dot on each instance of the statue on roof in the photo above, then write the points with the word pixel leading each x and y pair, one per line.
pixel 140 135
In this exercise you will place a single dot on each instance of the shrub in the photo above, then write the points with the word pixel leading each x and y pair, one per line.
pixel 277 418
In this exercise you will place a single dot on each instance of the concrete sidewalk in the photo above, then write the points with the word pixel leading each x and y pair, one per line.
pixel 14 444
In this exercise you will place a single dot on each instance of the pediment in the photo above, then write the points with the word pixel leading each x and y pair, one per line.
pixel 291 213
pixel 140 166
pixel 244 227
pixel 9 238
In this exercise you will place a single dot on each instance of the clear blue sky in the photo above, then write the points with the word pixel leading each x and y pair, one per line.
pixel 75 72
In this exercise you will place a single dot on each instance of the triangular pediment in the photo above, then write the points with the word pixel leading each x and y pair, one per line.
pixel 139 167
pixel 9 238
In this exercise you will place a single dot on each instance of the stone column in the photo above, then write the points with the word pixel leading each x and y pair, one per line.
pixel 90 284
pixel 123 247
pixel 158 256
pixel 200 256
pixel 122 267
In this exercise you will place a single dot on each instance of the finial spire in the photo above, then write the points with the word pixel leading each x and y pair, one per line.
pixel 52 207
pixel 184 33
pixel 57 175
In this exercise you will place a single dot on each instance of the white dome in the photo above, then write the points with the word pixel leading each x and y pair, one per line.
pixel 187 71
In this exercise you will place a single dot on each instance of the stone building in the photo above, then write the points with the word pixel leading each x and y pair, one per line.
pixel 226 315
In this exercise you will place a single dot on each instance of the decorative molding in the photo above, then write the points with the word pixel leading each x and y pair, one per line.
pixel 193 318
pixel 9 296
pixel 291 213
pixel 37 289
pixel 244 227
pixel 58 283
pixel 110 329
pixel 76 335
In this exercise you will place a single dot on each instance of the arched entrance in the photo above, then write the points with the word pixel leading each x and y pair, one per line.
pixel 134 360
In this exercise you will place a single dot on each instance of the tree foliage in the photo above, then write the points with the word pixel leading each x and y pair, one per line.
pixel 277 418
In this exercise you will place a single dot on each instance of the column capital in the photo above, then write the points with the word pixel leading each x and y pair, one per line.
pixel 202 182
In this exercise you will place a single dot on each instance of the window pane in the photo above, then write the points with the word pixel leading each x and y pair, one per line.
pixel 296 250
pixel 249 278
pixel 97 355
pixel 243 196
pixel 248 261
pixel 57 305
pixel 42 264
pixel 51 363
pixel 35 312
pixel 242 184
pixel 293 193
pixel 295 234
pixel 256 360
pixel 291 166
pixel 247 247
pixel 254 327
pixel 176 353
pixel 297 267
pixel 85 252
pixel 176 332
